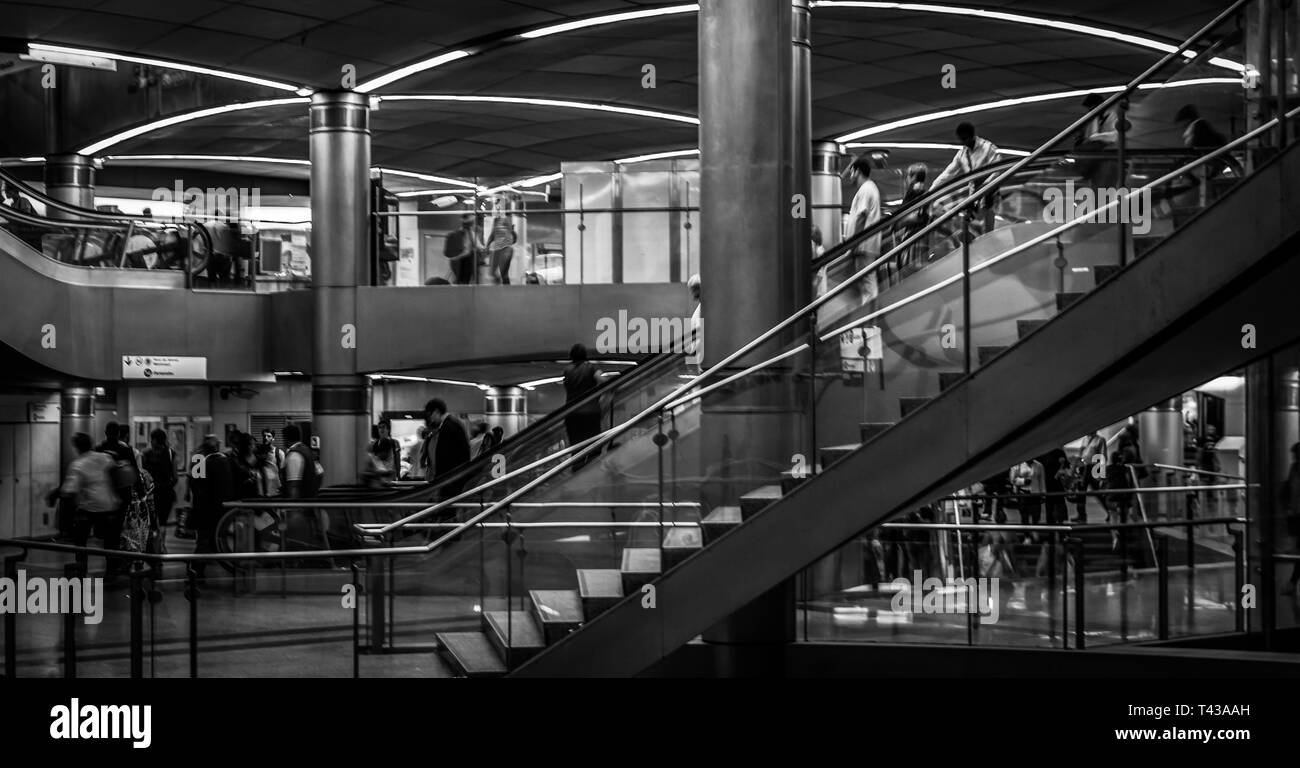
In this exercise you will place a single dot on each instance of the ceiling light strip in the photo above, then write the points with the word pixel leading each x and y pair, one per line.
pixel 612 18
pixel 1016 102
pixel 562 103
pixel 411 69
pixel 1020 18
pixel 185 117
pixel 225 74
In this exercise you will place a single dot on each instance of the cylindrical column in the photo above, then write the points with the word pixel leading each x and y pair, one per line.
pixel 755 193
pixel 340 178
pixel 827 191
pixel 506 407
pixel 76 414
pixel 1161 431
pixel 70 178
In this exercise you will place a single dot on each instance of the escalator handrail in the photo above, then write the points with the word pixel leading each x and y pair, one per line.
pixel 805 312
pixel 842 249
pixel 122 219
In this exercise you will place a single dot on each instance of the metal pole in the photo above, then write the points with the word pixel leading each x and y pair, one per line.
pixel 137 621
pixel 1238 569
pixel 192 595
pixel 1162 590
pixel 1121 126
pixel 659 439
pixel 356 621
pixel 812 390
pixel 72 571
pixel 965 286
pixel 1078 594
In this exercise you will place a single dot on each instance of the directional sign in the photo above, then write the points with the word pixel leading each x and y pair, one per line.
pixel 151 367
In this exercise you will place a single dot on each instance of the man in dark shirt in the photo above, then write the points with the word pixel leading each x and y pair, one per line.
pixel 210 484
pixel 462 248
pixel 446 447
pixel 580 379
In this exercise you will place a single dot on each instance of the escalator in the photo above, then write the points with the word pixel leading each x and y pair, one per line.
pixel 1064 331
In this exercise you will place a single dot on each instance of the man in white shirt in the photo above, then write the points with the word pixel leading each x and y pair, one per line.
pixel 864 212
pixel 975 153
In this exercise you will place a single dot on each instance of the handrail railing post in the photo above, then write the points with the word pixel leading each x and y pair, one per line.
pixel 192 597
pixel 73 572
pixel 137 571
pixel 1079 592
pixel 356 620
pixel 812 390
pixel 965 288
pixel 1121 174
pixel 1162 590
pixel 1238 572
pixel 11 622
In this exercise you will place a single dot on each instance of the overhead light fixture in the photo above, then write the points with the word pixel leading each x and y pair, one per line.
pixel 1037 21
pixel 531 385
pixel 529 183
pixel 561 103
pixel 1020 101
pixel 38 48
pixel 658 156
pixel 70 59
pixel 612 18
pixel 185 117
pixel 424 379
pixel 411 69
pixel 209 158
pixel 927 145
pixel 427 177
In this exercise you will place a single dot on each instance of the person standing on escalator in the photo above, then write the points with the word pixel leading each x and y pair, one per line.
pixel 580 379
pixel 864 213
pixel 975 153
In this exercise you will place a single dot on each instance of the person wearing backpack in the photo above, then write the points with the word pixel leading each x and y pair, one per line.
pixel 126 472
pixel 301 474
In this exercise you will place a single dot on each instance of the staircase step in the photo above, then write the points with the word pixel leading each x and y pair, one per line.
pixel 756 500
pixel 558 611
pixel 949 378
pixel 471 654
pixel 718 522
pixel 640 567
pixel 833 453
pixel 681 543
pixel 908 404
pixel 869 429
pixel 789 481
pixel 1064 300
pixel 524 634
pixel 1103 272
pixel 1026 327
pixel 599 589
pixel 985 354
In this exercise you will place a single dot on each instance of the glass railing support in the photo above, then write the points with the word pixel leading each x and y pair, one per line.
pixel 1080 571
pixel 1121 173
pixel 1162 590
pixel 356 618
pixel 137 575
pixel 1238 574
pixel 72 571
pixel 811 463
pixel 965 288
pixel 660 440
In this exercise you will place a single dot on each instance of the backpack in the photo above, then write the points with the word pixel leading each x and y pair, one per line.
pixel 313 474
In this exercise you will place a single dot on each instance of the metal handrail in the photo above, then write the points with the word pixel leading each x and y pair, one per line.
pixel 1105 491
pixel 1064 527
pixel 1194 471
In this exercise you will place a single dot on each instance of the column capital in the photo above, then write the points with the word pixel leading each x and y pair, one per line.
pixel 340 110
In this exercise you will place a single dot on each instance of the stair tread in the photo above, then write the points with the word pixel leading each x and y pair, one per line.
pixel 523 631
pixel 640 560
pixel 723 515
pixel 683 538
pixel 764 492
pixel 563 606
pixel 600 582
pixel 473 652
